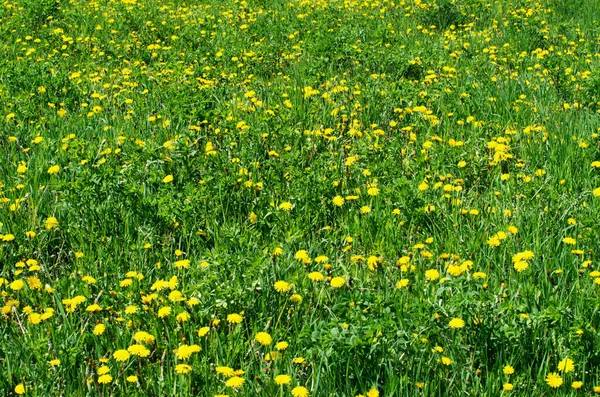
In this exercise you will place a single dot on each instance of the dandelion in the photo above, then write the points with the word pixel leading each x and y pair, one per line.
pixel 554 380
pixel 168 178
pixel 446 360
pixel 300 391
pixel 507 387
pixel 138 350
pixel 373 393
pixel 296 298
pixel 235 382
pixel 225 371
pixel 337 282
pixel 105 379
pixel 121 355
pixel 51 223
pixel 508 370
pixel 373 191
pixel 456 323
pixel 55 169
pixel 142 336
pixel 234 318
pixel 282 286
pixel 286 206
pixel 283 379
pixel 521 266
pixel 20 389
pixel 183 368
pixel 432 274
pixel 577 385
pixel 566 365
pixel 316 276
pixel 403 283
pixel 182 264
pixel 203 331
pixel 263 338
pixel 132 379
pixel 164 312
pixel 99 329
pixel 17 285
pixel 338 201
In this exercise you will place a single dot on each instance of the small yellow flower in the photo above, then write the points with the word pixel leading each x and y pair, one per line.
pixel 456 323
pixel 286 206
pixel 283 379
pixel 121 355
pixel 508 370
pixel 234 318
pixel 281 345
pixel 554 380
pixel 300 391
pixel 164 311
pixel 337 282
pixel 432 274
pixel 235 382
pixel 99 329
pixel 263 338
pixel 104 379
pixel 402 283
pixel 51 223
pixel 168 178
pixel 282 286
pixel 338 201
pixel 20 389
pixel 17 285
pixel 566 365
pixel 316 276
pixel 183 368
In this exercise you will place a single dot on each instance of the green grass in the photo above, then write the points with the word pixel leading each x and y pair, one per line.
pixel 458 134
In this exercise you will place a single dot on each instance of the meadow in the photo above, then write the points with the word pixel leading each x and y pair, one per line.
pixel 299 198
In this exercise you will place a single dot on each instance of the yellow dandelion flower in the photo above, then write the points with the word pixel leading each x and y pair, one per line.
pixel 51 223
pixel 234 318
pixel 338 201
pixel 121 355
pixel 183 368
pixel 566 365
pixel 283 379
pixel 225 371
pixel 554 380
pixel 282 286
pixel 105 379
pixel 235 382
pixel 432 274
pixel 337 282
pixel 456 323
pixel 300 391
pixel 263 338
